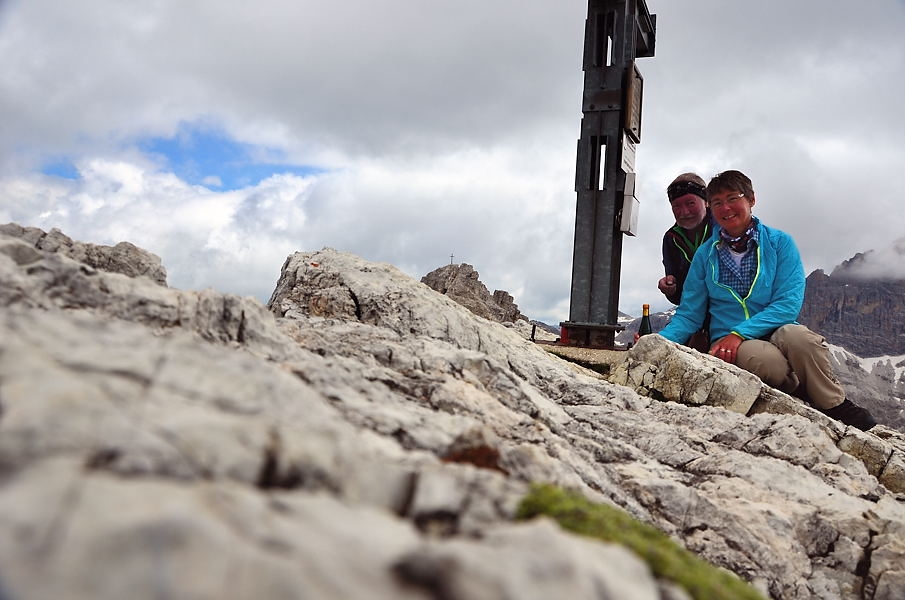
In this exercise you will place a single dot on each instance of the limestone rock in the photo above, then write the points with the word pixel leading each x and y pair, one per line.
pixel 123 258
pixel 461 283
pixel 471 570
pixel 48 280
pixel 364 436
pixel 672 372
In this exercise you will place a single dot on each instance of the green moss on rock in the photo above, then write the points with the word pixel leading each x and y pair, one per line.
pixel 666 559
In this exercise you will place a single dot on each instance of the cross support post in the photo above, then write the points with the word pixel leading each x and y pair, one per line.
pixel 617 32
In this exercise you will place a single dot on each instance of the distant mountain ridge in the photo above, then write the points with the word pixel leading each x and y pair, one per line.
pixel 864 316
pixel 861 304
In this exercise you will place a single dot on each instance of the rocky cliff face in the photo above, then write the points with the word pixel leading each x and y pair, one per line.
pixel 860 306
pixel 462 284
pixel 366 437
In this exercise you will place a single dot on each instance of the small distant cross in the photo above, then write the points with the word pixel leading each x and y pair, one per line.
pixel 450 259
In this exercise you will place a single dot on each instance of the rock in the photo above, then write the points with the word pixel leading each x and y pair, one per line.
pixel 533 330
pixel 462 569
pixel 861 314
pixel 655 367
pixel 878 391
pixel 462 283
pixel 122 258
pixel 38 279
pixel 364 436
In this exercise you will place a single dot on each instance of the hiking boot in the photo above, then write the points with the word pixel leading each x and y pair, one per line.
pixel 851 414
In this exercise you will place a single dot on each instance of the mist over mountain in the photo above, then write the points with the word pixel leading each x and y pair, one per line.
pixel 885 264
pixel 860 305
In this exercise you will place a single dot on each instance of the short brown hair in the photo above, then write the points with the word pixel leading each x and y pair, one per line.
pixel 730 181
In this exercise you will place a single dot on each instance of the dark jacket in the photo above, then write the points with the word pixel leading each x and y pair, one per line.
pixel 678 250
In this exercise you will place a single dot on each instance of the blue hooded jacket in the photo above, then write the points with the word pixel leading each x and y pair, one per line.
pixel 774 300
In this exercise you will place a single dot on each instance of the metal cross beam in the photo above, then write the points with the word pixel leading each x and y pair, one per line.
pixel 616 33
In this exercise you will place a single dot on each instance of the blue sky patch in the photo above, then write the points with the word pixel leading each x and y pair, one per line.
pixel 209 157
pixel 61 168
pixel 203 156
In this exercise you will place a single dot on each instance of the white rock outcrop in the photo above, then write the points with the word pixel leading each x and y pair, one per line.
pixel 368 437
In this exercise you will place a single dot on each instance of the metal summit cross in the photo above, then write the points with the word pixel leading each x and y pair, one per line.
pixel 616 33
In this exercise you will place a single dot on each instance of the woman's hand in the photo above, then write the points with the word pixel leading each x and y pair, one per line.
pixel 726 348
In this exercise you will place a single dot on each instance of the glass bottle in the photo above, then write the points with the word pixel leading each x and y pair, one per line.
pixel 644 328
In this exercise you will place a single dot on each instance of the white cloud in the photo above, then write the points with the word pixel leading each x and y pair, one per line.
pixel 881 263
pixel 441 129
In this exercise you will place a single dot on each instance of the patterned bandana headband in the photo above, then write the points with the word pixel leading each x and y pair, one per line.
pixel 680 188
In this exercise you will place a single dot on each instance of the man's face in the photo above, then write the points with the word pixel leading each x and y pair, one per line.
pixel 689 210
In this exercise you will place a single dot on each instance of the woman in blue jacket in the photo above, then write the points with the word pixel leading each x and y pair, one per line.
pixel 750 280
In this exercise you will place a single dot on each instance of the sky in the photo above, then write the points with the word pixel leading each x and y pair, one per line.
pixel 225 135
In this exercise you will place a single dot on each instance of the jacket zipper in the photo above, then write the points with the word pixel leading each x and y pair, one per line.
pixel 739 299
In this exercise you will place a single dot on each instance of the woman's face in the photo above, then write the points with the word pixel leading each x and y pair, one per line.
pixel 689 210
pixel 732 211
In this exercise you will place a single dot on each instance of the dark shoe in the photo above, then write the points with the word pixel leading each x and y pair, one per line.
pixel 851 414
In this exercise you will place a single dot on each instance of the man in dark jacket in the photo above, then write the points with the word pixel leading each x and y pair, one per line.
pixel 687 198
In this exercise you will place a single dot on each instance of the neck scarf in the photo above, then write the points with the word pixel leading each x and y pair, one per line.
pixel 737 244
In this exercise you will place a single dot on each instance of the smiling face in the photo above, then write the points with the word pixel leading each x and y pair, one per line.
pixel 732 210
pixel 689 210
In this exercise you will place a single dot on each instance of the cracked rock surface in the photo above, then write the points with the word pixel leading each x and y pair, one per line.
pixel 363 436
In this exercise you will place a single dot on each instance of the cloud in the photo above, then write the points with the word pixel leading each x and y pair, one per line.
pixel 225 135
pixel 882 263
pixel 414 216
pixel 193 229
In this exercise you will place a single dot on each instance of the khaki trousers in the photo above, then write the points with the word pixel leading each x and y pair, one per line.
pixel 795 361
